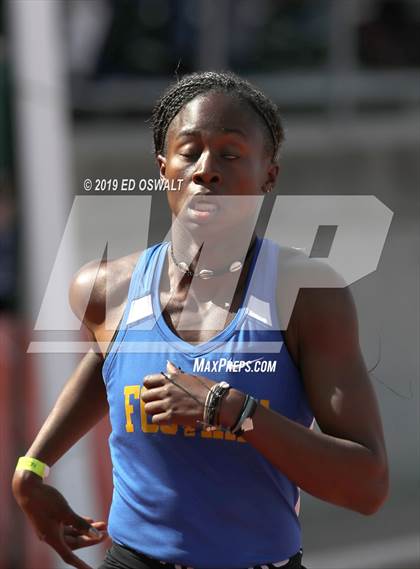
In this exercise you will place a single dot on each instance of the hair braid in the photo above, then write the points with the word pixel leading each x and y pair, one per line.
pixel 190 86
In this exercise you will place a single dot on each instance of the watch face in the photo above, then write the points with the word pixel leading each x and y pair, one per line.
pixel 247 425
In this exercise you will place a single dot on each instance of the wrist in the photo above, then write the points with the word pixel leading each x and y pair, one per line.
pixel 29 473
pixel 231 407
pixel 34 465
pixel 23 482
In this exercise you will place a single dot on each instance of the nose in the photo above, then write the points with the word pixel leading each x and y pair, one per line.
pixel 206 171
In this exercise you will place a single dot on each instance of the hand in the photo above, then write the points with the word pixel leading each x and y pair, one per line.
pixel 179 399
pixel 53 519
pixel 76 538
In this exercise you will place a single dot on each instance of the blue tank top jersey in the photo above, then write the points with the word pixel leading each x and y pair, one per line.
pixel 203 499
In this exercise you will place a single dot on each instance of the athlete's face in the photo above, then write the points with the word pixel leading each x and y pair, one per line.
pixel 216 145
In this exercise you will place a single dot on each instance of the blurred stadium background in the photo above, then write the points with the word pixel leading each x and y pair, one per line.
pixel 77 82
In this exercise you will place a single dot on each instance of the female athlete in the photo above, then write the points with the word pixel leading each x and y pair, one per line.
pixel 211 403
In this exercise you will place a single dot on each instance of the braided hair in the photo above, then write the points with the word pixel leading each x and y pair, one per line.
pixel 190 86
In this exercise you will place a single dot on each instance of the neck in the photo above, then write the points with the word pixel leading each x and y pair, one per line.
pixel 215 252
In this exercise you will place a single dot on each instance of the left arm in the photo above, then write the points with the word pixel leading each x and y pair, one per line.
pixel 346 463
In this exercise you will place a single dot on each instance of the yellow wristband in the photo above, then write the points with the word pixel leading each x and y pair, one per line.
pixel 34 465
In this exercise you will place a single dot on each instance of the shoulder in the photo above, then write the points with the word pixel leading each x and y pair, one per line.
pixel 315 304
pixel 298 269
pixel 99 286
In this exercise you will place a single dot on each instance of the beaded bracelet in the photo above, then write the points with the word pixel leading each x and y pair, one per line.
pixel 219 406
pixel 215 402
pixel 212 404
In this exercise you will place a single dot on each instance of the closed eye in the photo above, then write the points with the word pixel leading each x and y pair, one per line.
pixel 194 156
pixel 188 155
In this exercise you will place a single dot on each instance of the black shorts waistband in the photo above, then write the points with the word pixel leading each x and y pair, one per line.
pixel 122 557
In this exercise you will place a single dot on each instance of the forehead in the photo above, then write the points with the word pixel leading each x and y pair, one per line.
pixel 218 112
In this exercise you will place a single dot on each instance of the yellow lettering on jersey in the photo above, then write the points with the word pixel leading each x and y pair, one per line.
pixel 169 429
pixel 218 434
pixel 129 390
pixel 145 425
pixel 206 434
pixel 229 436
pixel 189 431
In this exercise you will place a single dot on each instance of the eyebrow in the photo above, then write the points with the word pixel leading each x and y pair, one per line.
pixel 225 130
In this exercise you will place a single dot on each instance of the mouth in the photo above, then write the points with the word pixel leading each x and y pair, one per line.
pixel 203 207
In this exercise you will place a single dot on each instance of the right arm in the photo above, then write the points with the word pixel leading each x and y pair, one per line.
pixel 79 407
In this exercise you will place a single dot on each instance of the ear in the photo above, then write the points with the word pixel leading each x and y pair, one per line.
pixel 161 160
pixel 272 174
pixel 271 177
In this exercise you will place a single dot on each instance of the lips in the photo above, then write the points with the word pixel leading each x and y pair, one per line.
pixel 203 207
pixel 204 202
